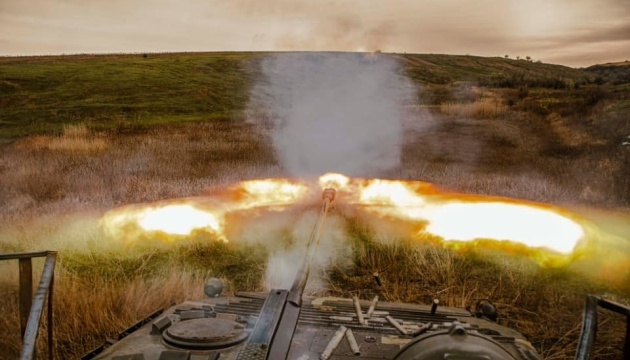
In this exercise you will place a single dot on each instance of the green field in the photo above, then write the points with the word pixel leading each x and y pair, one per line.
pixel 80 135
pixel 41 94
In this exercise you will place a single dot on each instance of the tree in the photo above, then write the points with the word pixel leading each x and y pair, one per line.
pixel 518 57
pixel 507 56
pixel 528 58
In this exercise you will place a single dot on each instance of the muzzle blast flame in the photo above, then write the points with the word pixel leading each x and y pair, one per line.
pixel 452 217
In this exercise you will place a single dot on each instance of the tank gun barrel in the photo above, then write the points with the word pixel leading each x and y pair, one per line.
pixel 272 335
pixel 299 284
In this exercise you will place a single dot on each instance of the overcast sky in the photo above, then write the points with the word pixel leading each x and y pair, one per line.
pixel 570 32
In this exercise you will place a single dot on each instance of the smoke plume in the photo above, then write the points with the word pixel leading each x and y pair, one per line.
pixel 286 235
pixel 284 263
pixel 333 112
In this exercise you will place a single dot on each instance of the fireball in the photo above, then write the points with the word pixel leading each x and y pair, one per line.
pixel 451 217
pixel 269 192
pixel 335 181
pixel 465 218
pixel 177 219
pixel 180 217
pixel 383 192
pixel 527 225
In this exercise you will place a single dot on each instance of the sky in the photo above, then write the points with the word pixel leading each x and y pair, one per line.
pixel 570 32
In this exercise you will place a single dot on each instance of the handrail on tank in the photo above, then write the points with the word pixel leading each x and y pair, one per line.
pixel 32 308
pixel 589 325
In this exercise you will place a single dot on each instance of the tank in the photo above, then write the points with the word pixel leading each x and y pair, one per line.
pixel 284 324
pixel 242 327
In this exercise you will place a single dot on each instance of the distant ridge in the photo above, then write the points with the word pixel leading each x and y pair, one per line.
pixel 616 73
pixel 39 94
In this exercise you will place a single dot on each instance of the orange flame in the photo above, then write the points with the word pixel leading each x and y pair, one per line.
pixel 450 216
pixel 180 217
pixel 525 224
pixel 461 217
pixel 177 219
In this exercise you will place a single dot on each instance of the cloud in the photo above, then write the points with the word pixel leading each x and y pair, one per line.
pixel 482 27
pixel 616 32
pixel 592 53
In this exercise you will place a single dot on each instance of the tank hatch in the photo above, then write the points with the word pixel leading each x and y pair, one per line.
pixel 205 334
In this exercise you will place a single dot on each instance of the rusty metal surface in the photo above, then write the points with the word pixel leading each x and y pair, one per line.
pixel 283 338
pixel 589 325
pixel 613 306
pixel 205 333
pixel 31 308
pixel 51 341
pixel 252 351
pixel 380 348
pixel 27 255
pixel 37 308
pixel 318 321
pixel 26 291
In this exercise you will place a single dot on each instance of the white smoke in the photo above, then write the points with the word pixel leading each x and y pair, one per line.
pixel 333 112
pixel 327 112
pixel 286 236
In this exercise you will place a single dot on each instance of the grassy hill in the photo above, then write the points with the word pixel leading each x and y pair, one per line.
pixel 495 126
pixel 491 71
pixel 524 115
pixel 615 73
pixel 41 94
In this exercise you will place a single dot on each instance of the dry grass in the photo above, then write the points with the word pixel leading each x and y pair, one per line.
pixel 480 109
pixel 545 305
pixel 100 292
pixel 53 188
pixel 89 310
pixel 547 145
pixel 547 158
pixel 81 169
pixel 102 288
pixel 77 138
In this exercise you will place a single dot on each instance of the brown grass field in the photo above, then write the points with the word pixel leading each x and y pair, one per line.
pixel 559 146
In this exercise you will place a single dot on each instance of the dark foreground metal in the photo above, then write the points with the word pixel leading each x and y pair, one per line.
pixel 589 325
pixel 32 308
pixel 319 320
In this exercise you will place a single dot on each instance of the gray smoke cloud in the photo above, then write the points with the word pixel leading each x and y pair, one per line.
pixel 285 262
pixel 327 112
pixel 286 235
pixel 333 112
